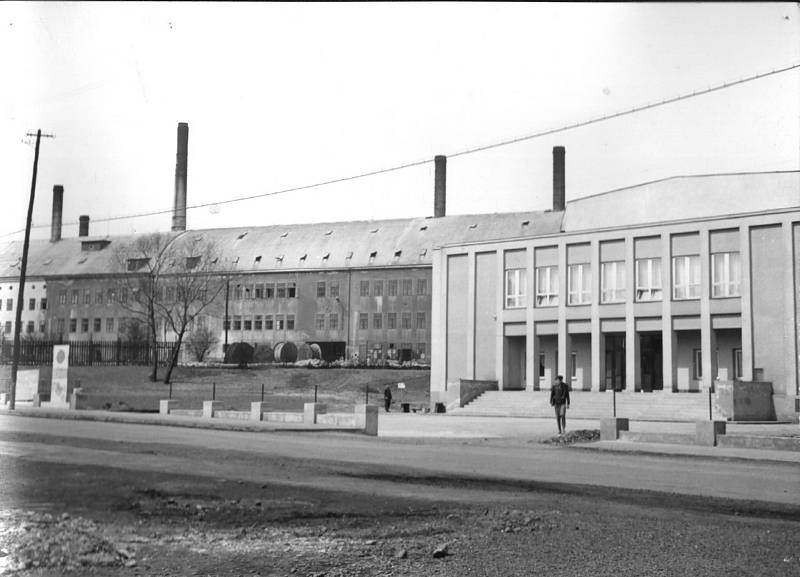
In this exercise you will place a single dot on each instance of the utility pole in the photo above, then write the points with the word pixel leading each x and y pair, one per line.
pixel 22 270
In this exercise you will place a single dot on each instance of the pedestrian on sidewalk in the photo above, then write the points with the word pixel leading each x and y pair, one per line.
pixel 387 398
pixel 559 399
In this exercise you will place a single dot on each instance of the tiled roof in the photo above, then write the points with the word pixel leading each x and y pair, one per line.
pixel 353 244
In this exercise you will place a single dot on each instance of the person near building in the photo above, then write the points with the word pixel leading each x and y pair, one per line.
pixel 559 399
pixel 387 398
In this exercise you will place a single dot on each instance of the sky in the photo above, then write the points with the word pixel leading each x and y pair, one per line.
pixel 280 96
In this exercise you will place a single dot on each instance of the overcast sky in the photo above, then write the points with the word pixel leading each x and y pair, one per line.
pixel 284 95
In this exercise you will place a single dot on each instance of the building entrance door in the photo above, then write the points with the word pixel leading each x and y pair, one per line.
pixel 651 366
pixel 615 362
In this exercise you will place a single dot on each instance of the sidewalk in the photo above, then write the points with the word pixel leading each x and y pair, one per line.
pixel 416 427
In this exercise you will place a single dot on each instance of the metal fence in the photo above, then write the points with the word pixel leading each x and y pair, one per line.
pixel 89 353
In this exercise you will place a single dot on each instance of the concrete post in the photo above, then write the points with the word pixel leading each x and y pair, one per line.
pixel 77 399
pixel 706 432
pixel 166 406
pixel 310 412
pixel 210 408
pixel 611 427
pixel 367 419
pixel 256 410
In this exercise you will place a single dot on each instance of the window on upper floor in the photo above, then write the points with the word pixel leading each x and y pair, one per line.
pixel 579 283
pixel 97 325
pixel 43 304
pixel 422 286
pixel 62 297
pixel 333 289
pixel 391 288
pixel 421 321
pixel 377 321
pixel 516 280
pixel 405 320
pixel 377 288
pixel 291 290
pixel 686 277
pixel 364 288
pixel 363 321
pixel 612 277
pixel 320 321
pixel 321 289
pixel 406 287
pixel 546 286
pixel 75 295
pixel 333 321
pixel 391 320
pixel 725 274
pixel 648 279
pixel 31 304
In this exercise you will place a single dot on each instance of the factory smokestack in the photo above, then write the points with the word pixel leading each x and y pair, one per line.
pixel 179 207
pixel 439 186
pixel 559 187
pixel 58 209
pixel 83 225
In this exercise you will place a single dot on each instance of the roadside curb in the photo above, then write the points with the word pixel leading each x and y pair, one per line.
pixel 663 451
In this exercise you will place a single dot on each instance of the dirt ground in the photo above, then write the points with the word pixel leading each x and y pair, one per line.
pixel 68 520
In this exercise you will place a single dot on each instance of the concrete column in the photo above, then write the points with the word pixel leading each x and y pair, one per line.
pixel 310 412
pixel 564 350
pixel 531 352
pixel 596 351
pixel 707 341
pixel 669 341
pixel 746 304
pixel 563 294
pixel 166 406
pixel 790 322
pixel 632 356
pixel 499 304
pixel 598 357
pixel 470 315
pixel 439 351
pixel 535 349
pixel 367 419
pixel 256 410
pixel 706 432
pixel 210 408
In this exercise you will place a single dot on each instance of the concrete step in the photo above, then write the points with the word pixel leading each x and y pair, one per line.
pixel 668 438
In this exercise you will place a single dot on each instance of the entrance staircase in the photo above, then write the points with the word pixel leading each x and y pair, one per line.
pixel 655 406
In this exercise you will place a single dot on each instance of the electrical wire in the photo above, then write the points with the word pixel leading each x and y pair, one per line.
pixel 465 152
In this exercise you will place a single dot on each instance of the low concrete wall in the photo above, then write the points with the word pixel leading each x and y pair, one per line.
pixel 744 401
pixel 707 432
pixel 187 412
pixel 611 427
pixel 787 408
pixel 337 419
pixel 277 417
pixel 233 415
pixel 461 392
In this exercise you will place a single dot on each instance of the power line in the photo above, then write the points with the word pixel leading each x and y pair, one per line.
pixel 563 128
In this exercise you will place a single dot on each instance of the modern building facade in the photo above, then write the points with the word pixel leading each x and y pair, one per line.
pixel 675 285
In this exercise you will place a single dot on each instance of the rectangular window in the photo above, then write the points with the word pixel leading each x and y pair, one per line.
pixel 43 304
pixel 75 295
pixel 29 328
pixel 87 297
pixel 363 321
pixel 686 277
pixel 377 321
pixel 9 304
pixel 377 288
pixel 62 297
pixel 364 288
pixel 248 324
pixel 391 320
pixel 574 366
pixel 516 281
pixel 320 323
pixel 405 320
pixel 280 322
pixel 110 325
pixel 546 286
pixel 648 279
pixel 60 325
pixel 259 290
pixel 8 327
pixel 112 296
pixel 281 292
pixel 612 277
pixel 238 291
pixel 237 323
pixel 579 283
pixel 289 322
pixel 333 321
pixel 725 274
pixel 98 297
pixel 84 325
pixel 737 364
pixel 421 350
pixel 422 288
pixel 421 324
pixel 407 287
pixel 31 304
pixel 170 294
pixel 42 327
pixel 268 323
pixel 333 289
pixel 391 288
pixel 123 295
pixel 321 289
pixel 291 290
pixel 698 364
pixel 98 325
pixel 249 293
pixel 269 291
pixel 258 322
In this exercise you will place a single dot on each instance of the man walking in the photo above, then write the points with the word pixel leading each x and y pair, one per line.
pixel 387 398
pixel 559 399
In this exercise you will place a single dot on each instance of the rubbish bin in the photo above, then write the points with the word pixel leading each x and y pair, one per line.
pixel 406 407
pixel 440 407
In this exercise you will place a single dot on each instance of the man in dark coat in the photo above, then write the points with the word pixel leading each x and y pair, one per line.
pixel 559 399
pixel 387 397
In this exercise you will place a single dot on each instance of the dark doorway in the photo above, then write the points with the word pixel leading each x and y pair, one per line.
pixel 615 362
pixel 651 362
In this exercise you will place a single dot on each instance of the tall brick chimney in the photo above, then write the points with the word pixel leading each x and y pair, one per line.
pixel 83 225
pixel 440 186
pixel 58 209
pixel 559 191
pixel 181 162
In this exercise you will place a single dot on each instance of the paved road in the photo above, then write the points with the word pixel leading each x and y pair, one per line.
pixel 759 481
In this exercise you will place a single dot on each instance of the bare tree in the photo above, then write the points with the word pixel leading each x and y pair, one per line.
pixel 169 278
pixel 200 341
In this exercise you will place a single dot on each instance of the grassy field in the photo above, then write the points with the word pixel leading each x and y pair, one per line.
pixel 285 389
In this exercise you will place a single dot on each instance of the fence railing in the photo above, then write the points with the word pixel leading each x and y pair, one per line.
pixel 89 353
